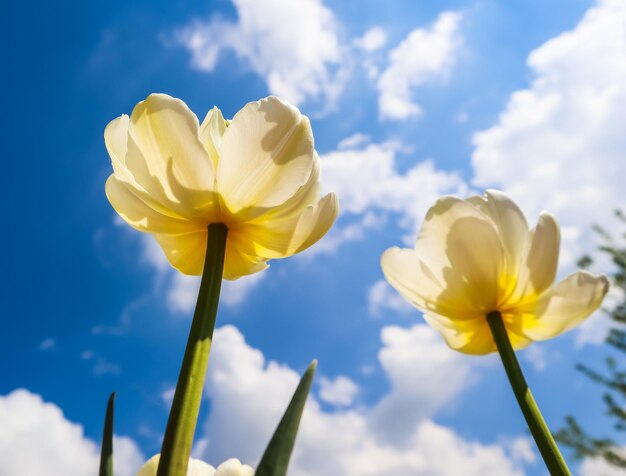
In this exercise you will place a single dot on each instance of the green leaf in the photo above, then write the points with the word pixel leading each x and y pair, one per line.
pixel 106 453
pixel 276 457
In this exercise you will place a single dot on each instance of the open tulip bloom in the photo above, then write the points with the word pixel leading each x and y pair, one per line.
pixel 257 174
pixel 485 282
pixel 221 198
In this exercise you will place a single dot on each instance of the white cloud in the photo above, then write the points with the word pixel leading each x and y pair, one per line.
pixel 340 391
pixel 425 376
pixel 368 184
pixel 559 144
pixel 381 296
pixel 35 438
pixel 423 56
pixel 522 449
pixel 373 39
pixel 598 467
pixel 293 45
pixel 249 394
pixel 353 141
pixel 182 293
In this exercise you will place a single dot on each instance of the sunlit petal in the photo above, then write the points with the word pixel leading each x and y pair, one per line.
pixel 279 238
pixel 471 336
pixel 167 158
pixel 142 217
pixel 513 230
pixel 238 264
pixel 540 260
pixel 185 252
pixel 308 194
pixel 211 132
pixel 265 156
pixel 417 283
pixel 563 307
pixel 462 248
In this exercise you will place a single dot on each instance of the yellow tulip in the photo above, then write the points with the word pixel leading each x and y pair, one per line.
pixel 231 467
pixel 258 174
pixel 476 256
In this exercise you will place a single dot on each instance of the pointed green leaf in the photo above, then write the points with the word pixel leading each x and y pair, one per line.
pixel 276 457
pixel 106 453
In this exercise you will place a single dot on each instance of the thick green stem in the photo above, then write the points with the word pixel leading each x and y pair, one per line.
pixel 537 425
pixel 181 424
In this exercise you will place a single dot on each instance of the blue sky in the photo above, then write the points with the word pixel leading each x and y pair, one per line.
pixel 407 103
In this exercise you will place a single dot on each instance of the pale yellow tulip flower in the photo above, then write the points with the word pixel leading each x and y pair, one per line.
pixel 258 174
pixel 231 467
pixel 476 256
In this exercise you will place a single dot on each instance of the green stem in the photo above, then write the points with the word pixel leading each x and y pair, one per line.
pixel 181 424
pixel 537 425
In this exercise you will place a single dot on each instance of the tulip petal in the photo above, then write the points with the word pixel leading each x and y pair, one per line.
pixel 512 228
pixel 563 307
pixel 238 264
pixel 472 336
pixel 539 264
pixel 308 194
pixel 233 467
pixel 196 468
pixel 416 282
pixel 279 238
pixel 265 156
pixel 142 217
pixel 166 157
pixel 186 253
pixel 211 132
pixel 461 247
pixel 116 141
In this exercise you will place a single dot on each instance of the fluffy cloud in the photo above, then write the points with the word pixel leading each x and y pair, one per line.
pixel 424 55
pixel 249 394
pixel 597 467
pixel 339 391
pixel 35 438
pixel 425 376
pixel 381 296
pixel 373 39
pixel 294 46
pixel 559 144
pixel 351 170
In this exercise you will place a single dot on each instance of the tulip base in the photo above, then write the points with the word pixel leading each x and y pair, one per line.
pixel 181 424
pixel 537 425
